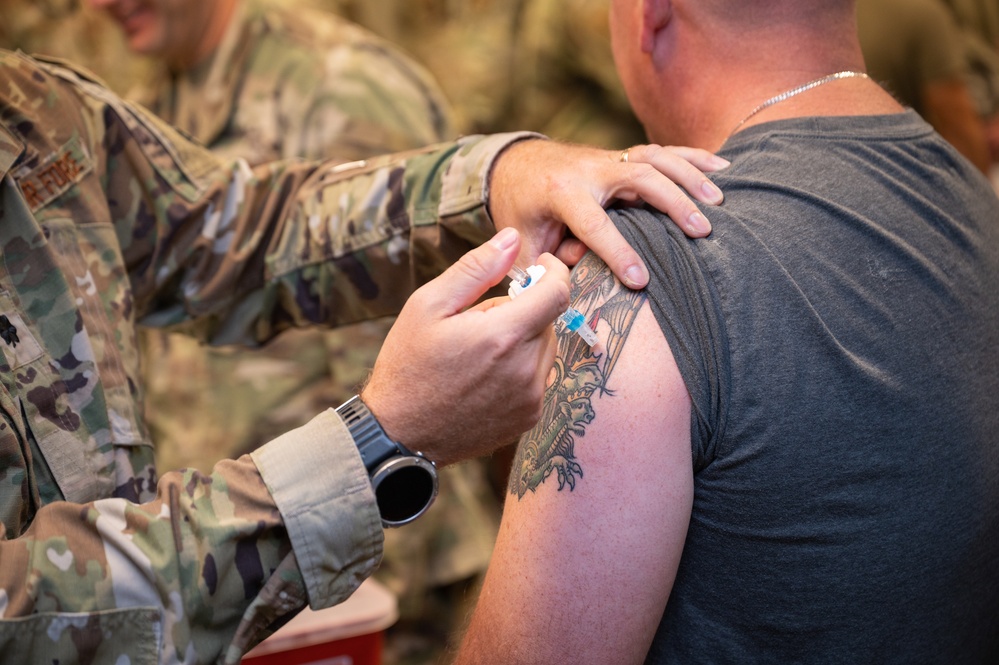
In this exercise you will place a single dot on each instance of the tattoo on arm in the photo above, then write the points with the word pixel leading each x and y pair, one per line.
pixel 579 372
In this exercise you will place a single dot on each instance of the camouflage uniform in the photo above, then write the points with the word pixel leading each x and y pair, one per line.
pixel 282 84
pixel 303 83
pixel 110 219
pixel 543 65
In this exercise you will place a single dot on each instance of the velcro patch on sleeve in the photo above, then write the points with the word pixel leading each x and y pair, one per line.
pixel 55 174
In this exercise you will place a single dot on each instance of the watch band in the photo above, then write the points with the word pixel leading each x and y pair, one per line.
pixel 404 482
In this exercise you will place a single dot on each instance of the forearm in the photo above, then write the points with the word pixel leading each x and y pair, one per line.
pixel 297 245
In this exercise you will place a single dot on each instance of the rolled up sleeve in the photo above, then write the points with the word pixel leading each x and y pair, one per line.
pixel 323 492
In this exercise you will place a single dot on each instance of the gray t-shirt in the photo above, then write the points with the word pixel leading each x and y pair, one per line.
pixel 839 336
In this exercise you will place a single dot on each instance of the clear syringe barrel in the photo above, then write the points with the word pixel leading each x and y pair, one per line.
pixel 521 279
pixel 572 319
pixel 576 322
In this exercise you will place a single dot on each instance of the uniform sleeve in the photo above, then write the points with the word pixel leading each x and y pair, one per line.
pixel 245 253
pixel 205 568
pixel 235 254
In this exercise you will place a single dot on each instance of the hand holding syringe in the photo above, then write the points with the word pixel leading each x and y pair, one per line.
pixel 572 318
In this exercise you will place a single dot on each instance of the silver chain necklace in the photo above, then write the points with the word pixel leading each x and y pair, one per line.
pixel 797 91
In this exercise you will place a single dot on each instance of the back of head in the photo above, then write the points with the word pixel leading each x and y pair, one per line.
pixel 759 27
pixel 675 56
pixel 755 15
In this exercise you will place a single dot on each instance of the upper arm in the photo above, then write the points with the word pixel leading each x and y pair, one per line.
pixel 600 498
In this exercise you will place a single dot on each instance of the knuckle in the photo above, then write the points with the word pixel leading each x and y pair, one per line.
pixel 679 201
pixel 646 173
pixel 419 299
pixel 589 225
pixel 471 263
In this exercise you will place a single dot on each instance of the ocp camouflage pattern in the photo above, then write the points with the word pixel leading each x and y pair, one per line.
pixel 142 226
pixel 540 65
pixel 288 81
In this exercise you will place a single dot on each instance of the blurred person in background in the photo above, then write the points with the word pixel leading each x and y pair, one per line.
pixel 541 65
pixel 914 48
pixel 979 22
pixel 66 29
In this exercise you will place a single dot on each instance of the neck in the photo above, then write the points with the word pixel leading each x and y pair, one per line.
pixel 798 90
pixel 213 29
pixel 705 87
pixel 709 120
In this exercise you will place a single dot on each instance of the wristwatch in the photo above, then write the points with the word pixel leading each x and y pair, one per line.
pixel 405 482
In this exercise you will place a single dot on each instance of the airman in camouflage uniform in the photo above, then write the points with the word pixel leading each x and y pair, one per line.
pixel 286 82
pixel 542 65
pixel 111 219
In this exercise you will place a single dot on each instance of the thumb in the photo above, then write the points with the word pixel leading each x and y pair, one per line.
pixel 461 285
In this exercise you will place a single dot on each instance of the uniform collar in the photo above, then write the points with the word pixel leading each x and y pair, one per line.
pixel 11 148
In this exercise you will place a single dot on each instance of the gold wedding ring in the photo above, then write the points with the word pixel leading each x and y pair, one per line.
pixel 624 155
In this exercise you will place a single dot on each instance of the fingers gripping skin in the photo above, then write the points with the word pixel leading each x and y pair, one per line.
pixel 456 380
pixel 538 185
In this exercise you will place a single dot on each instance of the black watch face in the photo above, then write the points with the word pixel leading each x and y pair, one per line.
pixel 404 489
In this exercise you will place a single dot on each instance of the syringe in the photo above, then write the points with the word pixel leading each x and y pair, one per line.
pixel 574 320
pixel 520 279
